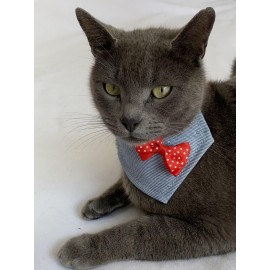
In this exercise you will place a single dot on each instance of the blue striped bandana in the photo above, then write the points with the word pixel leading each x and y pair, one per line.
pixel 151 176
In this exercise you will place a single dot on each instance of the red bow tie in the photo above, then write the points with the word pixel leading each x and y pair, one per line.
pixel 175 157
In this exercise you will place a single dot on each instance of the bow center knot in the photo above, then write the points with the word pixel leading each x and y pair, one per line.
pixel 158 146
pixel 175 157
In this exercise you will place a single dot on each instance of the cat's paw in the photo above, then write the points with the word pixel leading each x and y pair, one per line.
pixel 93 209
pixel 79 253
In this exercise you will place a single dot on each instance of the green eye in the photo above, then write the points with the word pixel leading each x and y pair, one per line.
pixel 111 89
pixel 161 91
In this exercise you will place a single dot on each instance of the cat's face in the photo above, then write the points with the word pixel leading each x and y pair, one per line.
pixel 147 83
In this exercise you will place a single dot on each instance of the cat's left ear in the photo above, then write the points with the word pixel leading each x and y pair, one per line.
pixel 192 40
pixel 100 40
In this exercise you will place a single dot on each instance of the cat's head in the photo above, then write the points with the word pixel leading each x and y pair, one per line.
pixel 147 83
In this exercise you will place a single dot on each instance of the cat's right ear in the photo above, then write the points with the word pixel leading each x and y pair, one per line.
pixel 99 38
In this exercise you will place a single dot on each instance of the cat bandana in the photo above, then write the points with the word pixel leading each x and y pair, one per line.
pixel 159 167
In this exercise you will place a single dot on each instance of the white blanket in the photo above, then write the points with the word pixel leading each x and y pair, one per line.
pixel 68 167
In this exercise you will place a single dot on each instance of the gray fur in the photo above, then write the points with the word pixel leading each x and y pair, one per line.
pixel 199 220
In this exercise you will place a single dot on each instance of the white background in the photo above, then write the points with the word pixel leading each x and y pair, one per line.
pixel 68 169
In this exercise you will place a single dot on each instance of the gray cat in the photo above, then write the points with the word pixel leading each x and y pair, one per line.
pixel 148 84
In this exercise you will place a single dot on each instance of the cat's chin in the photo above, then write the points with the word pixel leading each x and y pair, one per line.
pixel 134 141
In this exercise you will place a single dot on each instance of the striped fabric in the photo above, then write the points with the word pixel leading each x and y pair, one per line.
pixel 151 176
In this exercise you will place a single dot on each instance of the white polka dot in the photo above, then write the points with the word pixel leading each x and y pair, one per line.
pixel 179 158
pixel 147 146
pixel 167 159
pixel 175 167
pixel 172 161
pixel 178 152
pixel 139 150
pixel 166 153
pixel 184 153
pixel 151 150
pixel 177 162
pixel 187 149
pixel 182 163
pixel 174 148
pixel 144 150
pixel 170 165
pixel 172 170
pixel 140 146
pixel 157 148
pixel 157 141
pixel 169 150
pixel 181 149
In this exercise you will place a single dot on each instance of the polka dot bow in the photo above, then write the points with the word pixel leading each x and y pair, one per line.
pixel 175 157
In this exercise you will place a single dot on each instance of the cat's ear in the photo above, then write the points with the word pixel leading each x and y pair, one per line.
pixel 99 38
pixel 192 40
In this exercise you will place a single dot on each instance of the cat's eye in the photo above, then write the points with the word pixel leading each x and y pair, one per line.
pixel 111 89
pixel 161 91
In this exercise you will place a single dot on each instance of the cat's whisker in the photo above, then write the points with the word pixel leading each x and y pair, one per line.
pixel 79 120
pixel 78 123
pixel 81 139
pixel 81 113
pixel 72 128
pixel 106 137
pixel 101 137
pixel 90 139
pixel 111 125
pixel 83 118
pixel 70 124
pixel 81 128
pixel 115 129
pixel 92 116
pixel 74 118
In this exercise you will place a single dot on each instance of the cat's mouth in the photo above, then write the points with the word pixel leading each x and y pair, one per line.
pixel 134 140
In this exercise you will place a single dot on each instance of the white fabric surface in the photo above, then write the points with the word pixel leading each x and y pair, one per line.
pixel 67 169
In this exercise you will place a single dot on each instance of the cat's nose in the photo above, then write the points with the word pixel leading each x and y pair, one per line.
pixel 130 123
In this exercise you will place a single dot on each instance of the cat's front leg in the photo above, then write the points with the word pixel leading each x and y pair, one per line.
pixel 90 250
pixel 113 198
pixel 153 237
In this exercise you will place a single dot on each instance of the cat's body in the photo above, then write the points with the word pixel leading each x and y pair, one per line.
pixel 199 219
